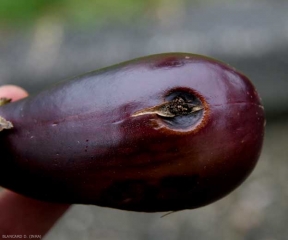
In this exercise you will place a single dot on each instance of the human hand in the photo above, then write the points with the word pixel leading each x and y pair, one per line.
pixel 20 215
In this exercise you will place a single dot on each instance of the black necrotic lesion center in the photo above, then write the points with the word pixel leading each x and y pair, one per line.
pixel 185 106
pixel 178 106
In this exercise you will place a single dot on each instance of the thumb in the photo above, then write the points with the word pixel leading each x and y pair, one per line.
pixel 12 92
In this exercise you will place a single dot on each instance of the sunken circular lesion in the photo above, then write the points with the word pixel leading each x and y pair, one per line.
pixel 183 101
pixel 181 110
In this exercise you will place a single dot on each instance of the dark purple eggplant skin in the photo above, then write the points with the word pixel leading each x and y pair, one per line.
pixel 82 141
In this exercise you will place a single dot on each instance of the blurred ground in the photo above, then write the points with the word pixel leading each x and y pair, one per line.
pixel 49 45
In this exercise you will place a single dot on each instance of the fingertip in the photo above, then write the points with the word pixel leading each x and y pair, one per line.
pixel 13 92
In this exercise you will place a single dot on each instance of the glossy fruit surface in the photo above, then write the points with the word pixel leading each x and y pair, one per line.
pixel 160 133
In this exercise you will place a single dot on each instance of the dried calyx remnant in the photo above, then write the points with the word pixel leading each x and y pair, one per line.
pixel 176 107
pixel 4 124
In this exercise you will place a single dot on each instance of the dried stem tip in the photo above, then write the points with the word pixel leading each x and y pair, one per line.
pixel 4 101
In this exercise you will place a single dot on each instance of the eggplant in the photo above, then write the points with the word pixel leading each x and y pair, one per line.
pixel 160 133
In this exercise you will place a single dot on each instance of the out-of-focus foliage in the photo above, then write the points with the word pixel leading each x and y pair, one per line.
pixel 25 12
pixel 19 13
pixel 22 11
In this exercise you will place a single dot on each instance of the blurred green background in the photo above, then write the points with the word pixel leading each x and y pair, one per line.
pixel 43 42
pixel 82 13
